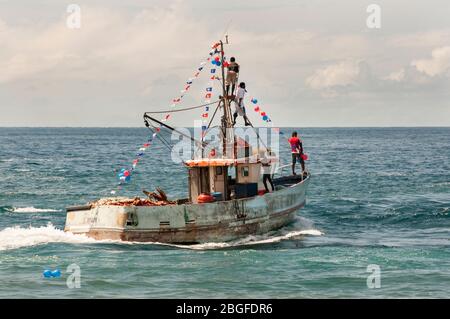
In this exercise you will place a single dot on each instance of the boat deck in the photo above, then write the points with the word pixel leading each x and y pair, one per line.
pixel 287 181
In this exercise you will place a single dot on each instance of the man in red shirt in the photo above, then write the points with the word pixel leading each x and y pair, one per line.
pixel 297 152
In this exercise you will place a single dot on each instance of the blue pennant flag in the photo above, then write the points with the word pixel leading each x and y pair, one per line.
pixel 213 70
pixel 207 109
pixel 209 89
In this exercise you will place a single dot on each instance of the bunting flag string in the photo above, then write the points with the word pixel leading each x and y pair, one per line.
pixel 209 93
pixel 191 80
pixel 124 175
pixel 258 110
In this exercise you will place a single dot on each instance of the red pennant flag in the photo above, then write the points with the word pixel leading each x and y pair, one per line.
pixel 205 115
pixel 208 96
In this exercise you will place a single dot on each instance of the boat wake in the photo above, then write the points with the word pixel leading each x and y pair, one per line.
pixel 19 237
pixel 252 240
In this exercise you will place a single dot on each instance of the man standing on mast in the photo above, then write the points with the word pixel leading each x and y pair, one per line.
pixel 232 75
pixel 240 108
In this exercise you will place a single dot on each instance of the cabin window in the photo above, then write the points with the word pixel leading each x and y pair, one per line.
pixel 219 170
pixel 245 171
pixel 247 152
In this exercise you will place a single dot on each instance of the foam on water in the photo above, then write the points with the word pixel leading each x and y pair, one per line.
pixel 32 209
pixel 18 237
pixel 250 240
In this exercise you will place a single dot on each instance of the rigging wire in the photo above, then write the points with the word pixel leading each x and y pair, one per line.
pixel 165 142
pixel 181 110
pixel 148 117
pixel 162 139
pixel 212 118
pixel 225 33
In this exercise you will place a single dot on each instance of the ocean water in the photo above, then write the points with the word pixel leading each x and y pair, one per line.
pixel 378 196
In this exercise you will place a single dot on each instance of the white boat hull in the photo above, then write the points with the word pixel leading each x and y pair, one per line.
pixel 191 223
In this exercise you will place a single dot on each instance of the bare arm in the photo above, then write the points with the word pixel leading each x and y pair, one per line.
pixel 300 147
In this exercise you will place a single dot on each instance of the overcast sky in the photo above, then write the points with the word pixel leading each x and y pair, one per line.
pixel 309 63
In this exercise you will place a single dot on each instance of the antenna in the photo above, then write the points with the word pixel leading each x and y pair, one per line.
pixel 225 32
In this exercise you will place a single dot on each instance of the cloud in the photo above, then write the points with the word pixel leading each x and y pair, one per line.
pixel 350 77
pixel 396 76
pixel 341 74
pixel 425 39
pixel 409 79
pixel 438 64
pixel 108 41
pixel 131 57
pixel 422 74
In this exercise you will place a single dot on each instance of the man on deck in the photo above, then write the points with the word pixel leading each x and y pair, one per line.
pixel 266 162
pixel 297 152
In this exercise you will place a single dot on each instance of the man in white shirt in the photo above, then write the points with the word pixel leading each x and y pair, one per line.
pixel 239 101
pixel 266 162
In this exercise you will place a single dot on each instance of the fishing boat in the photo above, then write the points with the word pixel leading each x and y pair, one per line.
pixel 226 198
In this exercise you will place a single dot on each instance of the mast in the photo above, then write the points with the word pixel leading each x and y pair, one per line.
pixel 227 132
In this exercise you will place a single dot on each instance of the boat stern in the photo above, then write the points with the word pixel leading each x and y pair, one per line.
pixel 86 219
